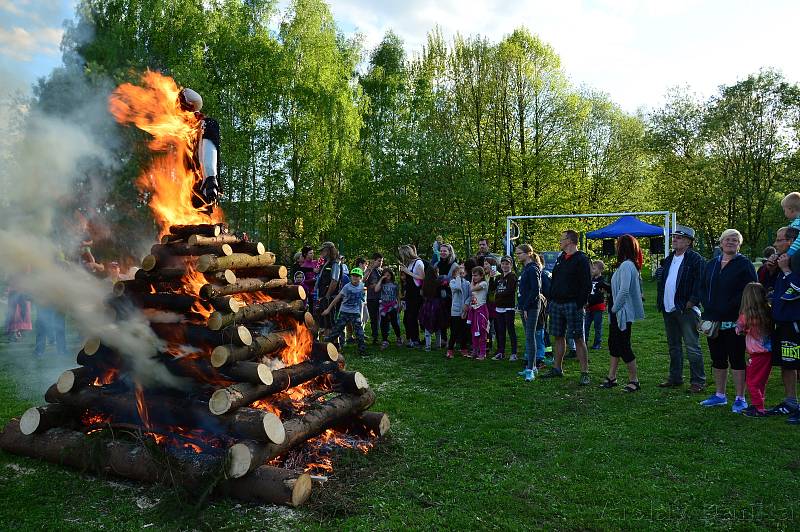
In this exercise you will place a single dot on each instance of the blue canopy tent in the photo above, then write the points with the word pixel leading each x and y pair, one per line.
pixel 626 225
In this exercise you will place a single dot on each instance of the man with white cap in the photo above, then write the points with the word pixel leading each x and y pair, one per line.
pixel 678 300
pixel 207 190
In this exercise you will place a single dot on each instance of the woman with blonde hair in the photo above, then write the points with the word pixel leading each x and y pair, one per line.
pixel 722 284
pixel 530 288
pixel 414 269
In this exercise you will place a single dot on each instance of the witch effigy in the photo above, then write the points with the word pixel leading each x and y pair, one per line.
pixel 205 159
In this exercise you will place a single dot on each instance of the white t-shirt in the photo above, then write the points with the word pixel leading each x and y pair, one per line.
pixel 479 296
pixel 418 268
pixel 671 283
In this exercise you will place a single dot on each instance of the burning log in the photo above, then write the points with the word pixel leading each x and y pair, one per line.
pixel 246 456
pixel 134 461
pixel 141 284
pixel 163 262
pixel 252 372
pixel 186 231
pixel 72 379
pixel 370 424
pixel 262 346
pixel 162 301
pixel 242 394
pixel 184 333
pixel 97 356
pixel 250 423
pixel 161 275
pixel 256 312
pixel 41 418
pixel 225 304
pixel 206 240
pixel 184 249
pixel 221 277
pixel 241 286
pixel 210 263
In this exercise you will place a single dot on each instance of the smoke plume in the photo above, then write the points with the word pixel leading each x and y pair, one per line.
pixel 48 156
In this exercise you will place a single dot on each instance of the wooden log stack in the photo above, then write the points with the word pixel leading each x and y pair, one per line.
pixel 237 336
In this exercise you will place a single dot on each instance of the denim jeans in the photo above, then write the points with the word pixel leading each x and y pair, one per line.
pixel 594 317
pixel 681 329
pixel 344 319
pixel 540 344
pixel 531 337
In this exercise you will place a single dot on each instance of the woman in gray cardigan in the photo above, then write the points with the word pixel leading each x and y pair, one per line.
pixel 627 307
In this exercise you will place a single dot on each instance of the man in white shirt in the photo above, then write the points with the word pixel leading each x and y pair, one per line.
pixel 678 300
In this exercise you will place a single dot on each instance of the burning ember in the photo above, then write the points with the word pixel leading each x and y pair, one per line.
pixel 253 389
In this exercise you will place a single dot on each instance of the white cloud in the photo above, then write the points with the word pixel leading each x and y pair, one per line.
pixel 21 44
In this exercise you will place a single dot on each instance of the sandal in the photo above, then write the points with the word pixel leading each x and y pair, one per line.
pixel 608 383
pixel 631 387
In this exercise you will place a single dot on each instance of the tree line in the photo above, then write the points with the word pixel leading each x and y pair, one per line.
pixel 323 140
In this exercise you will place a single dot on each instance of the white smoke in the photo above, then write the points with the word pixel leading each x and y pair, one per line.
pixel 41 166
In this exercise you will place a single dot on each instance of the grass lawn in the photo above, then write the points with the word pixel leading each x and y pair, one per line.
pixel 472 446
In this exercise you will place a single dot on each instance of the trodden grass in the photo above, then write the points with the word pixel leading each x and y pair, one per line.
pixel 472 446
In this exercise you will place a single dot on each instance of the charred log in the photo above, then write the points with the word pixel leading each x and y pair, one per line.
pixel 242 394
pixel 246 456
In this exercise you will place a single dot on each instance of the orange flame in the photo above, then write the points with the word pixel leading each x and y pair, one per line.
pixel 265 404
pixel 298 345
pixel 141 406
pixel 106 378
pixel 171 178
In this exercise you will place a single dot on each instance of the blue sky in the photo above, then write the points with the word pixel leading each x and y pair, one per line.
pixel 634 50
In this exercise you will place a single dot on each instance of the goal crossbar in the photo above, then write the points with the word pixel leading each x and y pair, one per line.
pixel 669 218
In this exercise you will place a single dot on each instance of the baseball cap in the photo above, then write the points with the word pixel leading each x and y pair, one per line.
pixel 356 271
pixel 682 230
pixel 326 245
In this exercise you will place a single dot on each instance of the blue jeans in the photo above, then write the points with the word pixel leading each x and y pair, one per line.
pixel 531 337
pixel 596 317
pixel 681 328
pixel 344 319
pixel 540 344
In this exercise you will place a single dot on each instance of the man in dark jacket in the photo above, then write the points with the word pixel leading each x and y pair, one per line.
pixel 678 299
pixel 569 291
pixel 786 314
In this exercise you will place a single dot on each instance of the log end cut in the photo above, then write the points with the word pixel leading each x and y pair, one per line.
pixel 240 460
pixel 215 321
pixel 92 346
pixel 264 374
pixel 66 381
pixel 30 421
pixel 301 490
pixel 229 276
pixel 273 428
pixel 220 355
pixel 220 402
pixel 149 263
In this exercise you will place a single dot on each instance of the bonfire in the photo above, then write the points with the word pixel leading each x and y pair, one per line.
pixel 246 400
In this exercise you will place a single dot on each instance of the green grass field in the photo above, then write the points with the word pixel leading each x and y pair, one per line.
pixel 472 446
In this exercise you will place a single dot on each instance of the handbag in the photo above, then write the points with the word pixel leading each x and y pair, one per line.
pixel 708 328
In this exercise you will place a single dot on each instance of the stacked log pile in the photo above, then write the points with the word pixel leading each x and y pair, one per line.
pixel 253 382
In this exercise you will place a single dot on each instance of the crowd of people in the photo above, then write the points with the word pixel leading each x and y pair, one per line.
pixel 751 320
